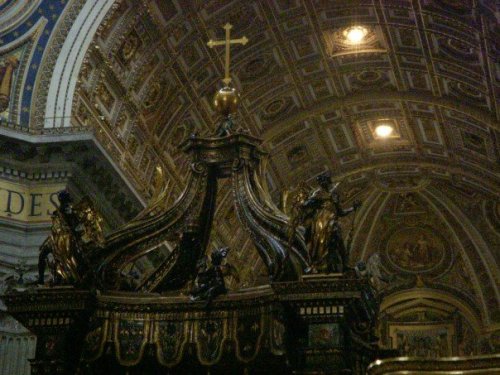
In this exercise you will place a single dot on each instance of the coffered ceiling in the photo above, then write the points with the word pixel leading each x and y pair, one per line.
pixel 428 68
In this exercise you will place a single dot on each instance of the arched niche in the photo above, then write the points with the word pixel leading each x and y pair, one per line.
pixel 431 323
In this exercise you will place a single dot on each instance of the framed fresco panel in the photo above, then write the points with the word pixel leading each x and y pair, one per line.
pixel 423 340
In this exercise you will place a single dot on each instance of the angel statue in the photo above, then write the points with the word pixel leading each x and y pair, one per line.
pixel 210 278
pixel 373 272
pixel 90 222
pixel 292 202
pixel 76 232
pixel 319 215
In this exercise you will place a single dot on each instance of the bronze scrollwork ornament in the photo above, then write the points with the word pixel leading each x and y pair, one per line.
pixel 308 240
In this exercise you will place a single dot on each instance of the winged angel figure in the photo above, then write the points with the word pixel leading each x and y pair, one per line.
pixel 316 212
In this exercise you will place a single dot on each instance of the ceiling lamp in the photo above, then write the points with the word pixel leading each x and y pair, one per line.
pixel 355 34
pixel 384 130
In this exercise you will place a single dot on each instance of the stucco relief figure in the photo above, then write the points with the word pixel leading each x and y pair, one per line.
pixel 319 216
pixel 153 96
pixel 76 230
pixel 129 48
pixel 7 68
pixel 373 270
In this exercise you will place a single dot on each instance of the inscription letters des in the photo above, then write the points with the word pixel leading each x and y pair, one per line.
pixel 24 204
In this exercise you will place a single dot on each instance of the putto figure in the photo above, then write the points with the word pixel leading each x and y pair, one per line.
pixel 76 232
pixel 209 281
pixel 319 215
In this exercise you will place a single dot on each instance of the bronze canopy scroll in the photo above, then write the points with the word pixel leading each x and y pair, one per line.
pixel 186 226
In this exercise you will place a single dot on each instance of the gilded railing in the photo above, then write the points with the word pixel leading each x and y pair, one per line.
pixel 485 364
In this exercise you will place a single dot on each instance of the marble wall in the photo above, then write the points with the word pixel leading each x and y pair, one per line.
pixel 17 346
pixel 20 238
pixel 18 253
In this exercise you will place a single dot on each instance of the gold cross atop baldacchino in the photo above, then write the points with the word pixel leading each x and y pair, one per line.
pixel 212 43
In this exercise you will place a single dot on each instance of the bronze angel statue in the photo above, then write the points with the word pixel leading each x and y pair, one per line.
pixel 317 214
pixel 76 233
pixel 210 281
pixel 292 205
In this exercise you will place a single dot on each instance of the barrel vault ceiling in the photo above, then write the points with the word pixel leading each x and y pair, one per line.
pixel 430 68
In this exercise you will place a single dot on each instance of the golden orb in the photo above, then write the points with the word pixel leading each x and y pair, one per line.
pixel 226 101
